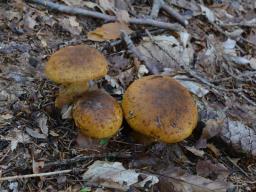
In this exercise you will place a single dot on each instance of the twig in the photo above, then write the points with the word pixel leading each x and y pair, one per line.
pixel 137 53
pixel 160 4
pixel 108 18
pixel 35 175
pixel 83 158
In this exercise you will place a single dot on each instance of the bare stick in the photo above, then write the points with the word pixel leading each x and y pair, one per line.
pixel 83 158
pixel 136 52
pixel 156 8
pixel 35 175
pixel 108 18
pixel 160 4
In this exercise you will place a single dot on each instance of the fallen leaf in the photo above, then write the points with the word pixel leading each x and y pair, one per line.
pixel 208 13
pixel 214 150
pixel 253 63
pixel 206 168
pixel 35 134
pixel 166 51
pixel 71 25
pixel 16 136
pixel 115 176
pixel 110 31
pixel 122 16
pixel 194 87
pixel 196 152
pixel 29 21
pixel 42 123
pixel 176 179
pixel 107 5
pixel 212 128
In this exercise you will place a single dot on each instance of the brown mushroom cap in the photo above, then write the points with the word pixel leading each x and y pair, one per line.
pixel 75 64
pixel 160 107
pixel 97 114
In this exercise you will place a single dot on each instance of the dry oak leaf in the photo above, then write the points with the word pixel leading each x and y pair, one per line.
pixel 110 31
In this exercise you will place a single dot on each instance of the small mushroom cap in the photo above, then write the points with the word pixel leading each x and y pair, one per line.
pixel 160 107
pixel 76 63
pixel 97 114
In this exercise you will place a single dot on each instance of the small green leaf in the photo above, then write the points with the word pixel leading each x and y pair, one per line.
pixel 104 141
pixel 86 189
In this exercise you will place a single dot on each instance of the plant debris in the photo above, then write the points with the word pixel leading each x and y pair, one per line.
pixel 209 46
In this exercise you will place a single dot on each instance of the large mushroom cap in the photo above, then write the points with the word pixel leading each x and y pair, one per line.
pixel 160 107
pixel 97 114
pixel 75 64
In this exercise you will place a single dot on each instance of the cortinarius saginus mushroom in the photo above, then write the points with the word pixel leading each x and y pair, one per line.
pixel 160 107
pixel 97 114
pixel 73 67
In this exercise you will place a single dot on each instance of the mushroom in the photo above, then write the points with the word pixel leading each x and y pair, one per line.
pixel 73 67
pixel 160 107
pixel 97 114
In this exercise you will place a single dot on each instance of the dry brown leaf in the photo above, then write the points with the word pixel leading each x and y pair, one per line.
pixel 123 16
pixel 196 152
pixel 107 5
pixel 214 149
pixel 206 168
pixel 178 180
pixel 110 31
pixel 71 25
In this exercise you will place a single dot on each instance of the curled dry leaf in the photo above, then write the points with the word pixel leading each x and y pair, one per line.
pixel 212 128
pixel 196 152
pixel 194 87
pixel 107 5
pixel 16 136
pixel 42 123
pixel 206 168
pixel 176 179
pixel 113 175
pixel 35 134
pixel 122 16
pixel 167 51
pixel 110 31
pixel 71 25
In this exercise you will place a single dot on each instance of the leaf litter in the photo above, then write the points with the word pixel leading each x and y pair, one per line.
pixel 213 57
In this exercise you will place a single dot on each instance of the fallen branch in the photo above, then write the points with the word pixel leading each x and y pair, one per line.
pixel 34 175
pixel 160 4
pixel 137 53
pixel 108 18
pixel 83 158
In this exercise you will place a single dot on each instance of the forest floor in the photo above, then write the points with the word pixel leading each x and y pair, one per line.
pixel 211 50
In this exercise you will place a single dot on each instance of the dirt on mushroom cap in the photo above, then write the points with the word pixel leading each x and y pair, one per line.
pixel 160 107
pixel 97 114
pixel 75 64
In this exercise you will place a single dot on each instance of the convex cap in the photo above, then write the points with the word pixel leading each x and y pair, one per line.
pixel 75 64
pixel 97 114
pixel 160 107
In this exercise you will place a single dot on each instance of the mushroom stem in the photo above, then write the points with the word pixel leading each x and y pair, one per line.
pixel 68 93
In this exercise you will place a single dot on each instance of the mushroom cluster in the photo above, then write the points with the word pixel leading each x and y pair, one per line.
pixel 160 107
pixel 156 106
pixel 96 113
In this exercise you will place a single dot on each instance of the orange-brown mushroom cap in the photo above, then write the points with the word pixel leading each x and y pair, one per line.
pixel 97 114
pixel 76 64
pixel 160 107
